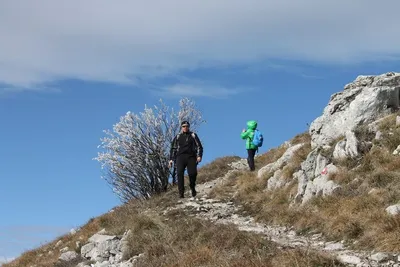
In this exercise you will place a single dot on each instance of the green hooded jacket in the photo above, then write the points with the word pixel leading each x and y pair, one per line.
pixel 249 134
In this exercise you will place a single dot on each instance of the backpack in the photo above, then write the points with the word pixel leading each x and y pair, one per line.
pixel 177 140
pixel 258 138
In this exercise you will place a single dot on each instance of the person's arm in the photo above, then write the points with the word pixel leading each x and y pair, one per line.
pixel 245 134
pixel 199 146
pixel 174 148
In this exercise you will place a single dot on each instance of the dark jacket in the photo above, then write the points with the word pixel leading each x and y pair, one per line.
pixel 186 144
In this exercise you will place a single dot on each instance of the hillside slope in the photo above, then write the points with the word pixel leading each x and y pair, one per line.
pixel 328 197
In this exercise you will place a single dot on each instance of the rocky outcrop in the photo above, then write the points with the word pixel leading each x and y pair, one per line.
pixel 346 148
pixel 104 250
pixel 313 178
pixel 362 101
pixel 283 160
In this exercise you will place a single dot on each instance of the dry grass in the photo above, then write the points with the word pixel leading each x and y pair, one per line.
pixel 388 123
pixel 270 156
pixel 303 138
pixel 295 163
pixel 353 215
pixel 369 183
pixel 390 132
pixel 179 240
pixel 215 169
pixel 176 239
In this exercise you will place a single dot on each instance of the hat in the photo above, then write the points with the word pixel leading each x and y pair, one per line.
pixel 185 123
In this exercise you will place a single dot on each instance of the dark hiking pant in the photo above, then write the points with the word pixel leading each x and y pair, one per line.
pixel 250 158
pixel 186 161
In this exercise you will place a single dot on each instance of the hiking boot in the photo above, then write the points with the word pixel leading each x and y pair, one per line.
pixel 194 193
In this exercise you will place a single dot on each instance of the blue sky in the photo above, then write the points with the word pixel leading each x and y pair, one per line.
pixel 69 73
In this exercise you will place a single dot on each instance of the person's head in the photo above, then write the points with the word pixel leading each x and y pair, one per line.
pixel 185 126
pixel 252 125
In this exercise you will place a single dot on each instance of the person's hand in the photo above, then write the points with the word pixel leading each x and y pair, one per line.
pixel 243 130
pixel 170 163
pixel 198 159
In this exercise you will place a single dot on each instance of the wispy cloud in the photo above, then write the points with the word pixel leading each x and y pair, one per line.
pixel 199 90
pixel 124 41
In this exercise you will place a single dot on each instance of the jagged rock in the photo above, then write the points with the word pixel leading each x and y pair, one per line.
pixel 398 121
pixel 313 178
pixel 58 243
pixel 68 256
pixel 100 238
pixel 239 165
pixel 347 147
pixel 362 101
pixel 276 181
pixel 106 250
pixel 284 159
pixel 393 210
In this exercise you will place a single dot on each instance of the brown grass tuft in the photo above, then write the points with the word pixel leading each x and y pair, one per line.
pixel 215 169
pixel 295 163
pixel 270 156
pixel 303 138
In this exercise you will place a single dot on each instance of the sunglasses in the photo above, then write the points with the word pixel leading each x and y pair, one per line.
pixel 185 126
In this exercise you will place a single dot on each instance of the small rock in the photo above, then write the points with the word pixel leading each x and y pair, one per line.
pixel 68 256
pixel 349 259
pixel 102 232
pixel 393 210
pixel 379 257
pixel 64 249
pixel 396 151
pixel 333 246
pixel 59 243
pixel 378 135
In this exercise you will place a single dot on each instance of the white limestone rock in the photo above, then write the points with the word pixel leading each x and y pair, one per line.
pixel 362 101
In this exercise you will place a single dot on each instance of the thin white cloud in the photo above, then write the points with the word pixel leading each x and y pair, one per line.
pixel 123 41
pixel 191 90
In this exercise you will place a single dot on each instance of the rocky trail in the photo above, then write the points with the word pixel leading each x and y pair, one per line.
pixel 226 212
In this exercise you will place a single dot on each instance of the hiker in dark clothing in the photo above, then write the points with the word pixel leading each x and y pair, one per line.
pixel 187 150
pixel 248 135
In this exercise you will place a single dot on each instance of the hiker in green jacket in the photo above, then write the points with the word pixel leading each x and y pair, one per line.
pixel 251 148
